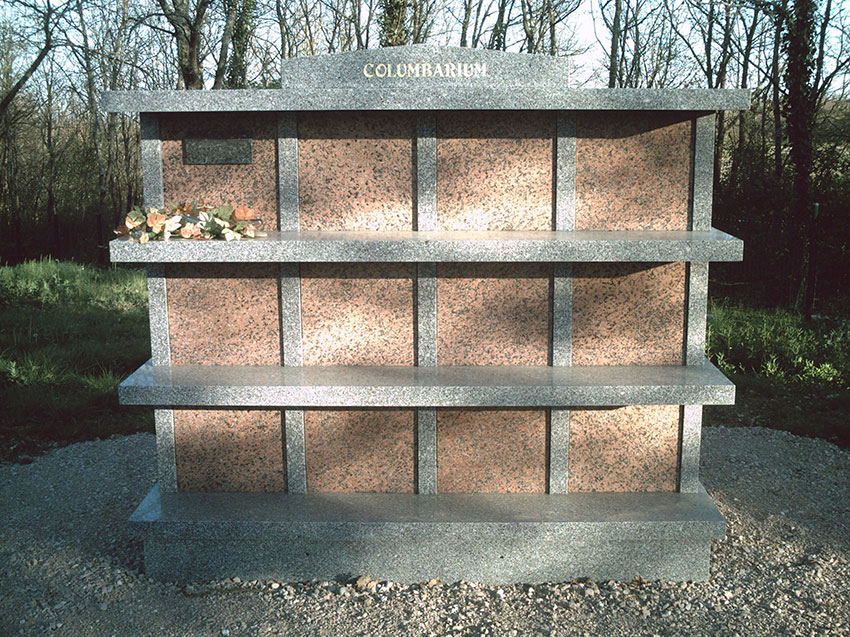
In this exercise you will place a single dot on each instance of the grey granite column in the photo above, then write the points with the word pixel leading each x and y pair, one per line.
pixel 290 297
pixel 153 195
pixel 562 288
pixel 702 184
pixel 426 298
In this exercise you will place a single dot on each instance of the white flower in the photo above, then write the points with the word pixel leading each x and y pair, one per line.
pixel 173 224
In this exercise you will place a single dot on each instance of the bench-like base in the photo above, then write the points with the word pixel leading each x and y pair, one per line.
pixel 487 538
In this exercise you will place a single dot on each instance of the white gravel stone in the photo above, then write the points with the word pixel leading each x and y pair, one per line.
pixel 70 568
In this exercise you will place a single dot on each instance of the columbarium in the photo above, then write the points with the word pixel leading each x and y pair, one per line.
pixel 470 345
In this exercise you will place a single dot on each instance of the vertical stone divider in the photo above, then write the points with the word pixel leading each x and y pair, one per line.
pixel 152 192
pixel 562 289
pixel 290 297
pixel 426 298
pixel 702 181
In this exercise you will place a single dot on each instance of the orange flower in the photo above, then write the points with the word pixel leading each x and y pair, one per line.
pixel 156 222
pixel 243 213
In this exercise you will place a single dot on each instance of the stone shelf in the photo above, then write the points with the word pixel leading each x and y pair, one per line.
pixel 444 386
pixel 580 246
pixel 313 535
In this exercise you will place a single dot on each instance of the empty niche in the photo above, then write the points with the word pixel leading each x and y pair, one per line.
pixel 355 170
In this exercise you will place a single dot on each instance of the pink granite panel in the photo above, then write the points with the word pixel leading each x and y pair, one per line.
pixel 493 314
pixel 223 314
pixel 253 185
pixel 355 170
pixel 633 448
pixel 360 450
pixel 494 170
pixel 632 171
pixel 229 450
pixel 628 314
pixel 357 314
pixel 491 451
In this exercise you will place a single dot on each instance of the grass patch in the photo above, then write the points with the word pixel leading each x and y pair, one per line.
pixel 68 335
pixel 779 346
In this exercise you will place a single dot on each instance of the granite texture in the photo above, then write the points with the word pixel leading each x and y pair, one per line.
pixel 360 451
pixel 565 172
pixel 403 386
pixel 476 558
pixel 628 314
pixel 407 538
pixel 289 216
pixel 151 154
pixel 253 185
pixel 165 459
pixel 491 451
pixel 697 274
pixel 690 449
pixel 296 460
pixel 633 171
pixel 355 172
pixel 229 450
pixel 158 314
pixel 559 451
pixel 703 172
pixel 433 97
pixel 474 246
pixel 426 172
pixel 426 314
pixel 203 151
pixel 224 314
pixel 290 314
pixel 634 448
pixel 426 451
pixel 494 171
pixel 371 305
pixel 562 314
pixel 493 314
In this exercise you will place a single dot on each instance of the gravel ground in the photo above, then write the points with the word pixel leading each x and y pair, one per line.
pixel 68 566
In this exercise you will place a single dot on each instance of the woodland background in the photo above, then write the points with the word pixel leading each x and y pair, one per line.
pixel 69 172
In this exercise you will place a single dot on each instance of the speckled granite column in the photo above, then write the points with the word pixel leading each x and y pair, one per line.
pixel 356 172
pixel 632 173
pixel 701 202
pixel 225 450
pixel 426 298
pixel 494 172
pixel 289 218
pixel 562 290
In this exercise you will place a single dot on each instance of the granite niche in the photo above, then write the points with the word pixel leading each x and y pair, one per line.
pixel 471 345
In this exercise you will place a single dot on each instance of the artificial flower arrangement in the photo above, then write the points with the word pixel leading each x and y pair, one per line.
pixel 190 221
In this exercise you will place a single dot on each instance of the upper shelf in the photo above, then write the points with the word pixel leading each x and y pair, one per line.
pixel 427 98
pixel 425 247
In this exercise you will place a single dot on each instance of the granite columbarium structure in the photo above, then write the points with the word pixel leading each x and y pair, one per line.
pixel 471 345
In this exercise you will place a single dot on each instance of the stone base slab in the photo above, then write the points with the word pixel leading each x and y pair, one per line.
pixel 487 538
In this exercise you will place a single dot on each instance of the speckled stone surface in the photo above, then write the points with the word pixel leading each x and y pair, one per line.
pixel 360 450
pixel 491 451
pixel 355 171
pixel 253 185
pixel 493 314
pixel 632 448
pixel 494 171
pixel 632 171
pixel 357 314
pixel 223 314
pixel 628 314
pixel 238 304
pixel 229 450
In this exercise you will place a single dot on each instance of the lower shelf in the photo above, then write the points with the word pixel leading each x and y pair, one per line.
pixel 449 386
pixel 488 538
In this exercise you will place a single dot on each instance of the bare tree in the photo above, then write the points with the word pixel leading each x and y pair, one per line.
pixel 187 23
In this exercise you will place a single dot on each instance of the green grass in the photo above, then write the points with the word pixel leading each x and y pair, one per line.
pixel 779 346
pixel 68 335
